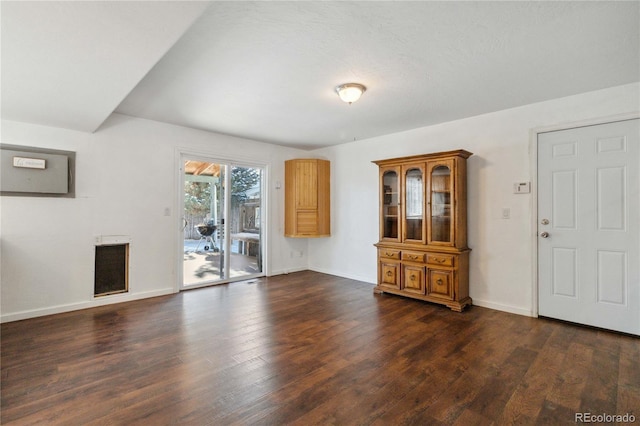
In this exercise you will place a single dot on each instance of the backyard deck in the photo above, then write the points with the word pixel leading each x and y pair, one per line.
pixel 204 265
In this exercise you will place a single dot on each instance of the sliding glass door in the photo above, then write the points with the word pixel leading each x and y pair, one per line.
pixel 222 233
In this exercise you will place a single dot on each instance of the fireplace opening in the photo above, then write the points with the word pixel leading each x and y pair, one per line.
pixel 111 269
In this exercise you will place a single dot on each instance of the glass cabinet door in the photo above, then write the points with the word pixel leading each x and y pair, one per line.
pixel 413 203
pixel 390 217
pixel 441 230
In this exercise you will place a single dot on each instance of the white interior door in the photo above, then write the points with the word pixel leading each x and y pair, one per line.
pixel 588 225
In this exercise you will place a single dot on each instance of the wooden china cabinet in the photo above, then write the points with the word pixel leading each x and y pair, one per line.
pixel 422 252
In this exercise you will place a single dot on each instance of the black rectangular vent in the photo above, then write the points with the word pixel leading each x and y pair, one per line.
pixel 111 269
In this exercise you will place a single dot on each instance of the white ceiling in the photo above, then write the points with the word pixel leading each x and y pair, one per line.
pixel 266 70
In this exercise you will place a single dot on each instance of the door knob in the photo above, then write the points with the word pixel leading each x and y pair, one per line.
pixel 544 235
pixel 545 221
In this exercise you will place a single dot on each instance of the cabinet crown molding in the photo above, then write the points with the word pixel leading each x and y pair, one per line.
pixel 416 158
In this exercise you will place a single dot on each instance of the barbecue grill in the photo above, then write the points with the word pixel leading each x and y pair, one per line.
pixel 206 234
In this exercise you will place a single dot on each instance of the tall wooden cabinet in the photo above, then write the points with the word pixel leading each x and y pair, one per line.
pixel 307 198
pixel 422 251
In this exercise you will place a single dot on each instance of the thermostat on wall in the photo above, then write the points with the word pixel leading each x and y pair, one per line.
pixel 522 187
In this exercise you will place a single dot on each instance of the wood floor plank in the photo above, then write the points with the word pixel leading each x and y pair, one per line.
pixel 497 390
pixel 628 390
pixel 568 388
pixel 528 399
pixel 308 348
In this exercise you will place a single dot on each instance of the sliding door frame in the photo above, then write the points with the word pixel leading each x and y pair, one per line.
pixel 181 154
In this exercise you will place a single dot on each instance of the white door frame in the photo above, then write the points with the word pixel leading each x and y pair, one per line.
pixel 179 155
pixel 533 154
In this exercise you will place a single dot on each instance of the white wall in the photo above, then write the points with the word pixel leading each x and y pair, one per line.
pixel 502 260
pixel 126 176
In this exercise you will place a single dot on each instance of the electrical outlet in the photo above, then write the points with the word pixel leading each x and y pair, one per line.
pixel 506 213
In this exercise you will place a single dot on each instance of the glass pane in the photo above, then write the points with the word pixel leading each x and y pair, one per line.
pixel 244 226
pixel 390 204
pixel 413 204
pixel 440 204
pixel 203 215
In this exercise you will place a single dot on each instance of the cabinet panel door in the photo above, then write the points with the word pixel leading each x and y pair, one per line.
pixel 306 190
pixel 307 199
pixel 413 279
pixel 440 202
pixel 390 227
pixel 389 274
pixel 441 284
pixel 413 196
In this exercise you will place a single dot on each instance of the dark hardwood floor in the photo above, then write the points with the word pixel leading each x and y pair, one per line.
pixel 309 348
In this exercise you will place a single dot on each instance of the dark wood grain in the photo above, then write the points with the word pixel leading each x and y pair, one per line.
pixel 309 348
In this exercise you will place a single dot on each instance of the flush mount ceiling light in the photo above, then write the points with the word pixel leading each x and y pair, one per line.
pixel 350 92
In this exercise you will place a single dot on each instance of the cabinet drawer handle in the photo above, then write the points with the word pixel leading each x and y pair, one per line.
pixel 413 277
pixel 389 273
pixel 386 253
pixel 440 259
pixel 412 257
pixel 439 282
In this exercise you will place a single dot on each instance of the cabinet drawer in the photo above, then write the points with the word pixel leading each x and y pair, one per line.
pixel 413 256
pixel 440 259
pixel 389 253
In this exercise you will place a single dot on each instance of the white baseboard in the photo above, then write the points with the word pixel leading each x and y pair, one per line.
pixel 95 302
pixel 344 275
pixel 504 308
pixel 287 271
pixel 119 298
pixel 477 302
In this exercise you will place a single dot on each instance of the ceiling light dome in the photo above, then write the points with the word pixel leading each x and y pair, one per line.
pixel 350 92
